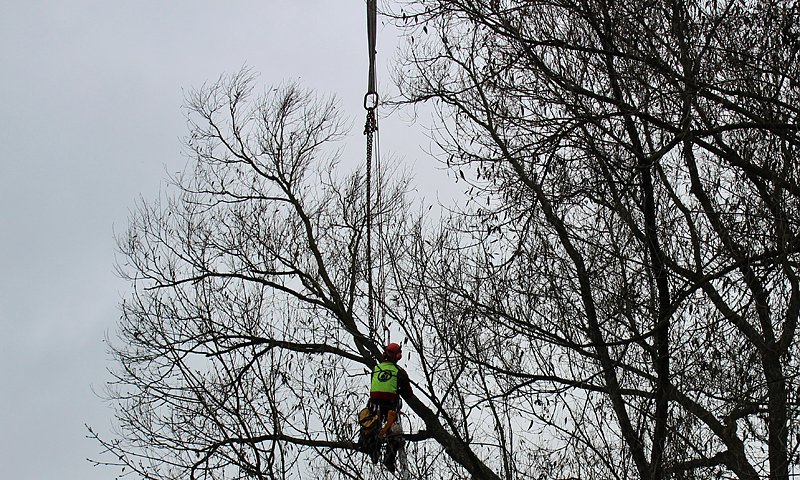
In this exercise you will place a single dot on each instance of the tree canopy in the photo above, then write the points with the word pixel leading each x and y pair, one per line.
pixel 618 298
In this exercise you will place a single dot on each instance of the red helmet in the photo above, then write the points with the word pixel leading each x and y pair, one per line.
pixel 393 351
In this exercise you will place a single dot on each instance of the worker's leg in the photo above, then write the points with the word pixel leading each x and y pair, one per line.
pixel 368 442
pixel 390 455
pixel 391 417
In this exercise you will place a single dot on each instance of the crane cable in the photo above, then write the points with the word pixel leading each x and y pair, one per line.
pixel 371 130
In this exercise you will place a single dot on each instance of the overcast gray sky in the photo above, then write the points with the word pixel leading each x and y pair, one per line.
pixel 91 118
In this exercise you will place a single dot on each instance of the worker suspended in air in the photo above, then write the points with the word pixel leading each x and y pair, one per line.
pixel 379 420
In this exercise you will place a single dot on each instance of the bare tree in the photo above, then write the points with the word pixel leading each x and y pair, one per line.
pixel 624 287
pixel 243 348
pixel 231 353
pixel 619 298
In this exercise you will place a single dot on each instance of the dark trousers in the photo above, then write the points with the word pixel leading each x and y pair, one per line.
pixel 383 407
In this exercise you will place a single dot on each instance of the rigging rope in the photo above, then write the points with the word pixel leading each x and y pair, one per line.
pixel 372 17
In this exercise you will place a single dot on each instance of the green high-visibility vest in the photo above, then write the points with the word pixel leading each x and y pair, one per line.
pixel 384 378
